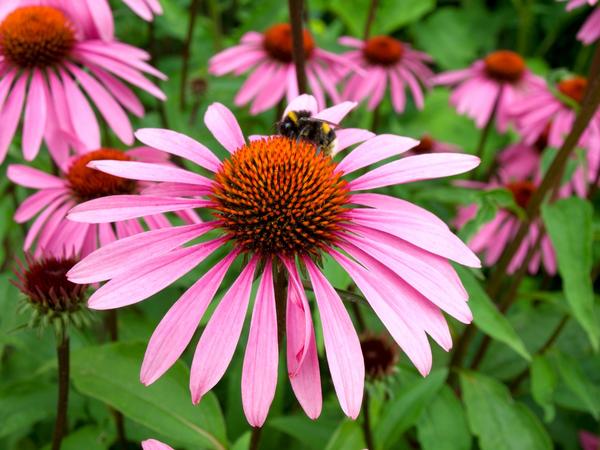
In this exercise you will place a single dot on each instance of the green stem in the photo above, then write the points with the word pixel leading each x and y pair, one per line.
pixel 485 133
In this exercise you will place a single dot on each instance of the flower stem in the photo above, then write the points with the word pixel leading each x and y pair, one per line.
pixel 366 424
pixel 296 8
pixel 370 19
pixel 255 438
pixel 111 324
pixel 376 118
pixel 60 426
pixel 215 17
pixel 550 181
pixel 185 53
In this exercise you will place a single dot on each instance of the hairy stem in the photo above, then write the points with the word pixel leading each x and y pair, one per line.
pixel 485 133
pixel 296 8
pixel 60 426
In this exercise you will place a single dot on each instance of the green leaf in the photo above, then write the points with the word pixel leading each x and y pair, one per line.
pixel 406 407
pixel 313 434
pixel 569 224
pixel 496 419
pixel 389 16
pixel 443 425
pixel 24 404
pixel 88 437
pixel 577 382
pixel 110 373
pixel 487 317
pixel 543 385
pixel 348 436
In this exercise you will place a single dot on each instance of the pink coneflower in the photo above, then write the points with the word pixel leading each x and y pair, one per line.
pixel 501 73
pixel 590 31
pixel 46 57
pixel 51 232
pixel 553 110
pixel 493 237
pixel 280 206
pixel 153 444
pixel 269 56
pixel 522 160
pixel 386 62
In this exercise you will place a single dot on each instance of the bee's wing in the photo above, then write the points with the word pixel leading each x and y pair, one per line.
pixel 331 124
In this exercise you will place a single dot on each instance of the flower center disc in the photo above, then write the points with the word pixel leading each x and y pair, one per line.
pixel 46 281
pixel 522 192
pixel 87 184
pixel 573 88
pixel 278 42
pixel 383 50
pixel 36 36
pixel 280 196
pixel 425 145
pixel 505 65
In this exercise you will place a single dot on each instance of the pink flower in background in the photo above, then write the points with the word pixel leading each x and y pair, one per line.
pixel 51 232
pixel 502 73
pixel 386 62
pixel 279 206
pixel 45 61
pixel 552 111
pixel 268 56
pixel 493 237
pixel 522 160
pixel 153 444
pixel 146 9
pixel 589 441
pixel 590 31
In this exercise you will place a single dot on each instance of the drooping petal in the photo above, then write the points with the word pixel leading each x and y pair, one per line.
pixel 220 337
pixel 153 444
pixel 344 354
pixel 34 123
pixel 177 327
pixel 156 274
pixel 259 372
pixel 303 102
pixel 33 178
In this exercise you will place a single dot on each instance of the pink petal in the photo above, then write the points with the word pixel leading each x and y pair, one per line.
pixel 153 444
pixel 153 276
pixel 180 145
pixel 135 170
pixel 220 337
pixel 302 359
pixel 344 354
pixel 259 373
pixel 34 123
pixel 349 136
pixel 35 203
pixel 177 327
pixel 121 207
pixel 336 114
pixel 33 178
pixel 222 124
pixel 303 102
pixel 415 168
pixel 122 255
pixel 82 116
pixel 11 115
pixel 374 150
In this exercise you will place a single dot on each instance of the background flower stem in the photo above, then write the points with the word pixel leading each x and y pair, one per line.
pixel 185 53
pixel 370 18
pixel 296 8
pixel 60 425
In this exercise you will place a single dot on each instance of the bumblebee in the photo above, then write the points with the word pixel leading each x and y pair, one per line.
pixel 301 125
